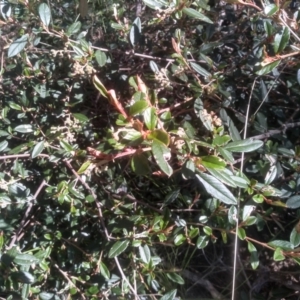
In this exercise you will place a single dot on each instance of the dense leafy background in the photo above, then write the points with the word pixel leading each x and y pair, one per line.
pixel 134 135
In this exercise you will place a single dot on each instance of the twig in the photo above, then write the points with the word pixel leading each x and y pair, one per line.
pixel 269 133
pixel 65 275
pixel 124 278
pixel 203 282
pixel 238 200
pixel 25 216
pixel 21 156
pixel 93 195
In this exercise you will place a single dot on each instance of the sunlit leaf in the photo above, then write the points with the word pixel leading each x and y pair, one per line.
pixel 213 162
pixel 100 87
pixel 159 135
pixel 3 145
pixel 196 15
pixel 101 58
pixel 80 117
pixel 281 244
pixel 199 69
pixel 17 46
pixel 216 188
pixel 172 294
pixel 150 118
pixel 293 202
pixel 118 248
pixel 73 28
pixel 161 152
pixel 26 128
pixel 145 254
pixel 138 107
pixel 278 255
pixel 247 145
pixel 267 68
pixel 38 148
pixel 45 14
pixel 270 9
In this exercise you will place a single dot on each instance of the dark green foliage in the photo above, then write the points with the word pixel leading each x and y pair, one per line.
pixel 134 135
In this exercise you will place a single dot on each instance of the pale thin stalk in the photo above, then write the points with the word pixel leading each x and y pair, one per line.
pixel 238 200
pixel 267 94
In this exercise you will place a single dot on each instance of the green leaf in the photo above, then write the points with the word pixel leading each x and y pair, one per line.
pixel 278 255
pixel 247 210
pixel 193 233
pixel 202 242
pixel 216 188
pixel 145 254
pixel 138 107
pixel 199 69
pixel 100 87
pixel 84 167
pixel 247 145
pixel 3 145
pixel 153 66
pixel 232 215
pixel 258 198
pixel 264 91
pixel 213 162
pixel 118 248
pixel 234 133
pixel 134 34
pixel 270 9
pixel 172 294
pixel 175 278
pixel 281 39
pixel 46 296
pixel 196 15
pixel 26 128
pixel 159 135
pixel 250 221
pixel 38 148
pixel 104 271
pixel 253 256
pixel 79 52
pixel 101 58
pixel 14 105
pixel 179 239
pixel 132 135
pixel 207 230
pixel 140 164
pixel 224 176
pixel 160 152
pixel 23 277
pixel 73 28
pixel 66 146
pixel 285 245
pixel 25 259
pixel 241 233
pixel 80 117
pixel 295 237
pixel 268 68
pixel 153 4
pixel 45 14
pixel 150 118
pixel 171 197
pixel 293 202
pixel 203 114
pixel 271 175
pixel 221 140
pixel 17 46
pixel 226 154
